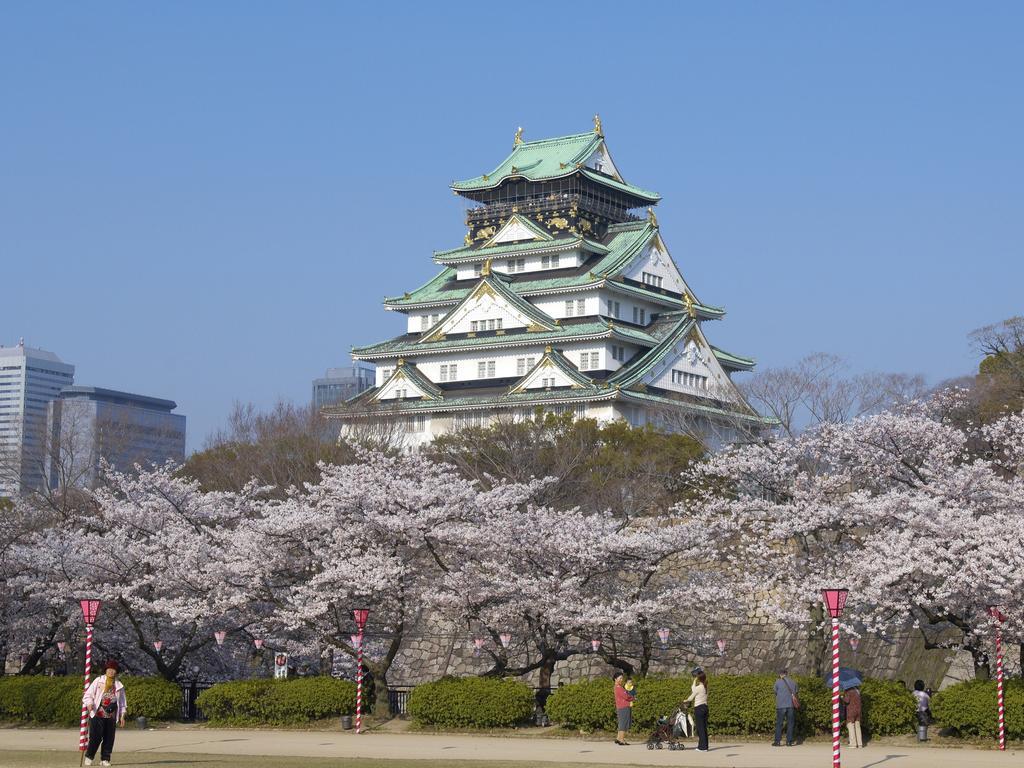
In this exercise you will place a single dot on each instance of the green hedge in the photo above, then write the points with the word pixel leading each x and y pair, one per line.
pixel 277 702
pixel 970 708
pixel 739 704
pixel 58 700
pixel 472 702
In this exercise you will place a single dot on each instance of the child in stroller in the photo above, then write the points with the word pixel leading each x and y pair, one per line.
pixel 669 731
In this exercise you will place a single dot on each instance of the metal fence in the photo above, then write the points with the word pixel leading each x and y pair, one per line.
pixel 398 700
pixel 189 693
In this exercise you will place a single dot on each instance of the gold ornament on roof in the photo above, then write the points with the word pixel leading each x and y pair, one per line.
pixel 652 218
pixel 468 239
pixel 486 269
pixel 597 126
pixel 547 350
pixel 688 300
pixel 518 138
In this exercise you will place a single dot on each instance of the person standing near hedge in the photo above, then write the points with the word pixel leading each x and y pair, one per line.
pixel 924 710
pixel 699 697
pixel 786 703
pixel 623 710
pixel 107 705
pixel 853 707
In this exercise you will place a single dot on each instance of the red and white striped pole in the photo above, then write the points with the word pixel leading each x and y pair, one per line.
pixel 360 615
pixel 90 609
pixel 835 601
pixel 835 694
pixel 999 617
pixel 83 726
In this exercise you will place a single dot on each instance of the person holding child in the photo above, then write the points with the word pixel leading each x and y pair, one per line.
pixel 623 708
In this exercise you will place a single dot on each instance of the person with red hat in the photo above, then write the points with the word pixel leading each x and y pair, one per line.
pixel 107 705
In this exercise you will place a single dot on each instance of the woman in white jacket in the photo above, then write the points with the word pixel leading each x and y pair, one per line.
pixel 107 705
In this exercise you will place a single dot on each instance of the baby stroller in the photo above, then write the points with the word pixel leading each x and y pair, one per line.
pixel 669 731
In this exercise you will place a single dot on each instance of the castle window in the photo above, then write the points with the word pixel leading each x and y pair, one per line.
pixel 524 364
pixel 569 305
pixel 485 369
pixel 639 316
pixel 652 280
pixel 613 308
pixel 581 307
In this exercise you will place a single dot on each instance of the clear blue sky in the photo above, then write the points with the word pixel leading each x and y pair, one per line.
pixel 207 201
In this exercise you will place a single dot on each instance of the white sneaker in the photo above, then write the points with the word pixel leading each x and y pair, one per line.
pixel 104 762
pixel 87 761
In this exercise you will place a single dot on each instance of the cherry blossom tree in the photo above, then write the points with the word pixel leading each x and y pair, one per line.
pixel 897 506
pixel 369 534
pixel 158 552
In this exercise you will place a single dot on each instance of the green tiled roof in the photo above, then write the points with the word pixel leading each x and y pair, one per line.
pixel 546 159
pixel 624 244
pixel 690 406
pixel 501 399
pixel 475 253
pixel 501 288
pixel 670 327
pixel 562 363
pixel 730 360
pixel 540 398
pixel 412 346
pixel 416 377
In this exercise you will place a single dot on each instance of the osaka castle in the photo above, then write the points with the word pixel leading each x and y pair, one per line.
pixel 561 297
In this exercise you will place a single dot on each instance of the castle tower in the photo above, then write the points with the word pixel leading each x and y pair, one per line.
pixel 563 297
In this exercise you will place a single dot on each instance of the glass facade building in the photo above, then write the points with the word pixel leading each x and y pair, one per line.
pixel 90 424
pixel 30 379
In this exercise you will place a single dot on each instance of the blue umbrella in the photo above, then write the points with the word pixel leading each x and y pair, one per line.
pixel 848 678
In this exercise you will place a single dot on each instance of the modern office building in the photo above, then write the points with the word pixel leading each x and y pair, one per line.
pixel 29 380
pixel 90 424
pixel 342 383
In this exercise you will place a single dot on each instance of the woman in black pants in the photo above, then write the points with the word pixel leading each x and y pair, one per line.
pixel 699 697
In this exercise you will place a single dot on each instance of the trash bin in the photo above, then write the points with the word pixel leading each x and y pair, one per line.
pixel 141 723
pixel 346 722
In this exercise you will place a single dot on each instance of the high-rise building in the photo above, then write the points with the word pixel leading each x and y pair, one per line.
pixel 340 384
pixel 29 380
pixel 560 298
pixel 89 424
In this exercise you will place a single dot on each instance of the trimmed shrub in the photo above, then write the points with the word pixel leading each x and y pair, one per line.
pixel 587 705
pixel 58 700
pixel 889 708
pixel 277 702
pixel 472 702
pixel 152 697
pixel 970 708
pixel 739 704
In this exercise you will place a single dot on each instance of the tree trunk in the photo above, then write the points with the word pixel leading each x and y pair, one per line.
pixel 818 647
pixel 645 650
pixel 982 667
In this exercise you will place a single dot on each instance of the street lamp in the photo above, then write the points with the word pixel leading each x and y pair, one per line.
pixel 478 644
pixel 505 639
pixel 595 644
pixel 835 601
pixel 663 635
pixel 999 617
pixel 361 616
pixel 721 647
pixel 90 610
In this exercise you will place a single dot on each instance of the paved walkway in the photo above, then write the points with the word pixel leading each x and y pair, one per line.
pixel 416 746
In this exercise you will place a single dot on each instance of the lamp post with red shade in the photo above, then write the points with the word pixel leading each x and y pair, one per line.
pixel 835 601
pixel 999 617
pixel 90 610
pixel 361 615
